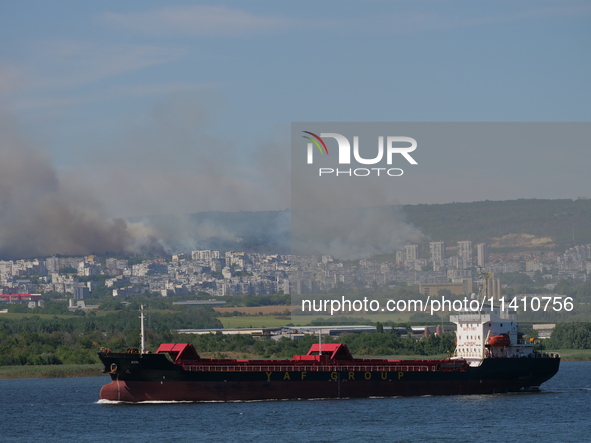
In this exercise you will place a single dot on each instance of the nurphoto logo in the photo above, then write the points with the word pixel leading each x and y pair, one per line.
pixel 394 145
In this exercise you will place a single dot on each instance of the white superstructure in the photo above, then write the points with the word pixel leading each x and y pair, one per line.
pixel 490 333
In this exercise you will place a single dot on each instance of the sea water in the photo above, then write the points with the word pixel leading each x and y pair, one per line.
pixel 52 410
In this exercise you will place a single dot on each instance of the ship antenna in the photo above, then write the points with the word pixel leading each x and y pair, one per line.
pixel 142 333
pixel 320 342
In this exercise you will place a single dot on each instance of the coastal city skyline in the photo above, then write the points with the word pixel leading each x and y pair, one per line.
pixel 245 273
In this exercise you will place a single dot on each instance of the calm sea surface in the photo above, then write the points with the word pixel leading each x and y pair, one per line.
pixel 66 409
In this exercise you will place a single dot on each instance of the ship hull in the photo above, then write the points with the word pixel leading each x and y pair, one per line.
pixel 141 378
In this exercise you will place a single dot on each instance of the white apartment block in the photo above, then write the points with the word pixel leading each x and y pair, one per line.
pixel 205 254
pixel 465 252
pixel 399 257
pixel 482 254
pixel 437 251
pixel 411 253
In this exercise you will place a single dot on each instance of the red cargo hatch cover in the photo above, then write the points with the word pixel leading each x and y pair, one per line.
pixel 337 351
pixel 179 351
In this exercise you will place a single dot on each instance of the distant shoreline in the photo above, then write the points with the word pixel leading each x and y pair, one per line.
pixel 94 370
pixel 51 371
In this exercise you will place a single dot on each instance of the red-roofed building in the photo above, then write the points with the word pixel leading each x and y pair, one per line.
pixel 19 298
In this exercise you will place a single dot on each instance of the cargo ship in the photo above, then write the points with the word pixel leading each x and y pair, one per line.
pixel 490 357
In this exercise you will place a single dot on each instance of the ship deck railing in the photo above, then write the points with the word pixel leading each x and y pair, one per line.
pixel 318 368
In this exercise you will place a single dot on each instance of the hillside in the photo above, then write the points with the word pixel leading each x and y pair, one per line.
pixel 487 221
pixel 503 225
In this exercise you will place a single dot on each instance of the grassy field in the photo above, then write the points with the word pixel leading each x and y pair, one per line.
pixel 51 371
pixel 271 317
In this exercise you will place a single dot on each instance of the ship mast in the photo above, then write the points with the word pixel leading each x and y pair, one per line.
pixel 142 333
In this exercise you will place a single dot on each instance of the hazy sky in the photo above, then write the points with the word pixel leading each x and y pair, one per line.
pixel 156 107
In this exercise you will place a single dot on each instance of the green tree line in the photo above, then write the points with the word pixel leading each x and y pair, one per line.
pixel 38 341
pixel 570 336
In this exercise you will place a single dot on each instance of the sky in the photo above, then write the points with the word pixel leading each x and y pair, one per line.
pixel 143 107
